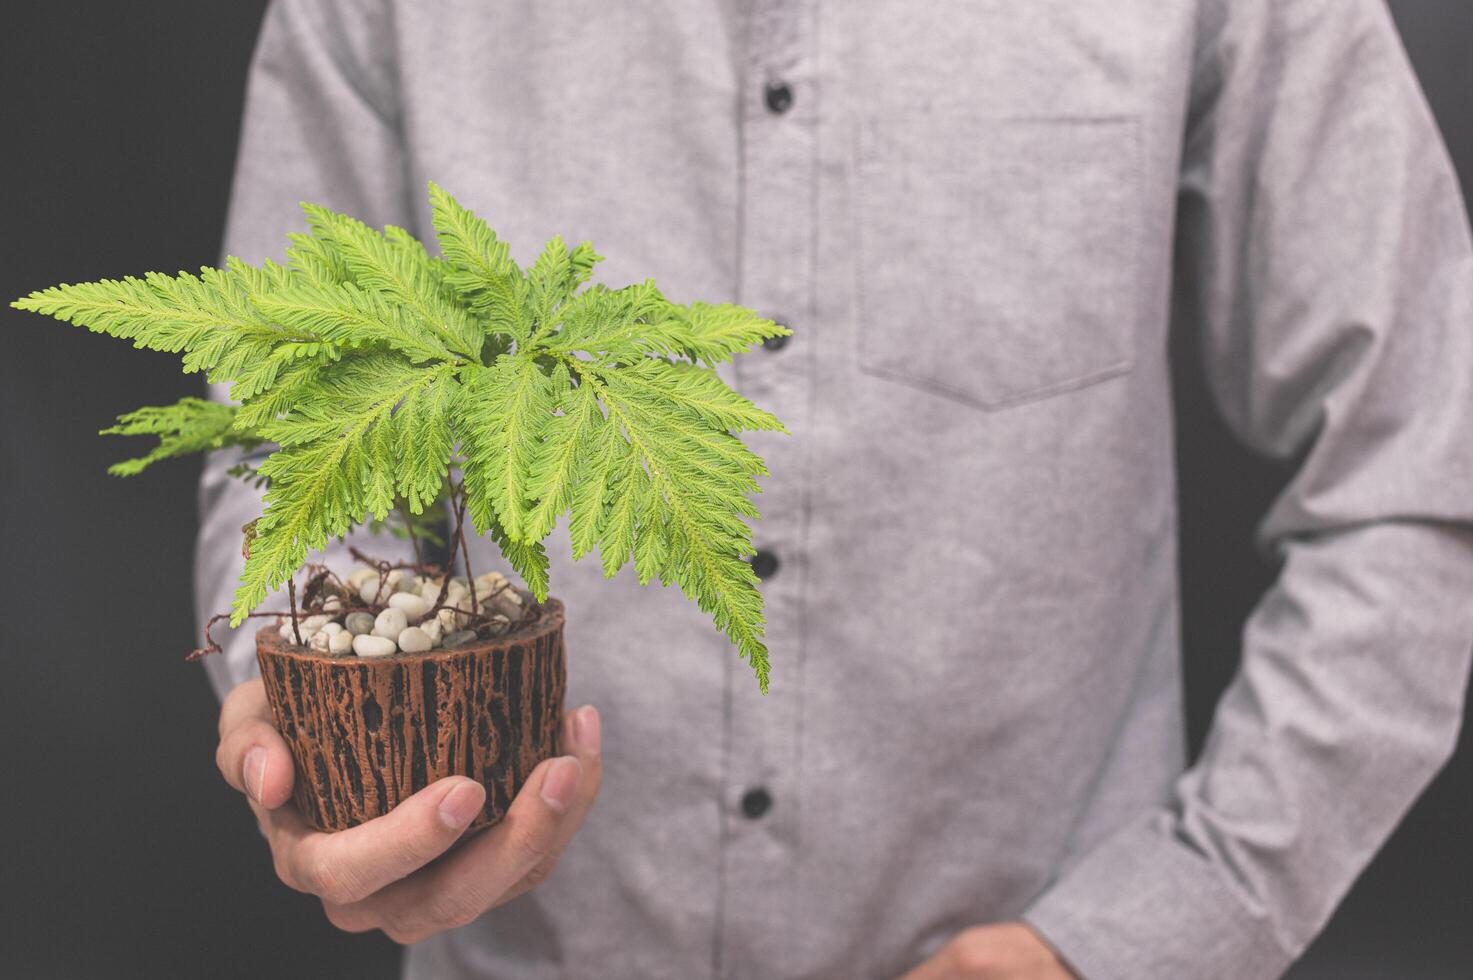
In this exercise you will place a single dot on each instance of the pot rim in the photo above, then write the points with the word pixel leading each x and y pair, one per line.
pixel 268 640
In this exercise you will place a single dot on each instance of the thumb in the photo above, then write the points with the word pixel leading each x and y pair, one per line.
pixel 252 756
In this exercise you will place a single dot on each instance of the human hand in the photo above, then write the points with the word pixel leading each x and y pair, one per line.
pixel 1008 951
pixel 383 874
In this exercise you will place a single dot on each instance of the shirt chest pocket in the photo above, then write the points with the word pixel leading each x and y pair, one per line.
pixel 998 259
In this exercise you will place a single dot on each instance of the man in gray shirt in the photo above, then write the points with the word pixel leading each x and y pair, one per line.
pixel 979 219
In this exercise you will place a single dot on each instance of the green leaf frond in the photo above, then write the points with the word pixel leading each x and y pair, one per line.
pixel 396 266
pixel 372 429
pixel 376 367
pixel 190 425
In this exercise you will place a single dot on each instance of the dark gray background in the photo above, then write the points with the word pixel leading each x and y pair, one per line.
pixel 124 853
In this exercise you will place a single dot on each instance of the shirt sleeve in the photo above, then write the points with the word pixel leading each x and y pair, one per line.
pixel 1324 262
pixel 321 125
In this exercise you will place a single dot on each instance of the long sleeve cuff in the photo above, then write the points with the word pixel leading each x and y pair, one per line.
pixel 1145 904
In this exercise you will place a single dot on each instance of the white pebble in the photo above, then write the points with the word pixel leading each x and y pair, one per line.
pixel 390 623
pixel 489 583
pixel 332 604
pixel 340 642
pixel 414 640
pixel 319 641
pixel 359 576
pixel 410 604
pixel 433 630
pixel 429 589
pixel 286 632
pixel 311 624
pixel 373 646
pixel 408 582
pixel 452 620
pixel 370 592
pixel 331 628
pixel 504 603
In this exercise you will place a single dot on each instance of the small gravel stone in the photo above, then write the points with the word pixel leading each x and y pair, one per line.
pixel 505 603
pixel 414 640
pixel 390 623
pixel 319 641
pixel 459 639
pixel 370 592
pixel 359 576
pixel 341 642
pixel 489 583
pixel 498 626
pixel 411 604
pixel 374 646
pixel 452 620
pixel 359 623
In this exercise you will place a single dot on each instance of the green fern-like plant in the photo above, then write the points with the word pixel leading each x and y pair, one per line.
pixel 376 368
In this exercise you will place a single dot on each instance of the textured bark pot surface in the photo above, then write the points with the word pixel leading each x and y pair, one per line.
pixel 368 733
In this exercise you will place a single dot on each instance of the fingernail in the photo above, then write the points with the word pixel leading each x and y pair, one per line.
pixel 560 782
pixel 460 805
pixel 587 730
pixel 253 772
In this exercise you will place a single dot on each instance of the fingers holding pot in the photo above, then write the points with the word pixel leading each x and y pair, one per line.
pixel 251 756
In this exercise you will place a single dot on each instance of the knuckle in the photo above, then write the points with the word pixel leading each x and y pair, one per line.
pixel 540 872
pixel 410 852
pixel 453 911
pixel 399 936
pixel 406 930
pixel 533 848
pixel 327 881
pixel 344 918
pixel 285 872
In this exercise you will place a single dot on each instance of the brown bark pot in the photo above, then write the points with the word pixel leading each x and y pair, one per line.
pixel 368 733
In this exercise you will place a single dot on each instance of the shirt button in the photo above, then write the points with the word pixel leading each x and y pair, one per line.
pixel 764 564
pixel 778 96
pixel 756 802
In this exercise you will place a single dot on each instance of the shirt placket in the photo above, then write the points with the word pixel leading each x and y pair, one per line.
pixel 779 125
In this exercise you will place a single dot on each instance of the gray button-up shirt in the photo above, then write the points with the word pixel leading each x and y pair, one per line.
pixel 979 219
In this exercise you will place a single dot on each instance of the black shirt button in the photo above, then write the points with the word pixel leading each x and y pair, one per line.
pixel 756 802
pixel 764 564
pixel 778 96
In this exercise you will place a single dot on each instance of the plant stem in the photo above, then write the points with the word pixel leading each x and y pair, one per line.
pixel 409 529
pixel 465 551
pixel 291 597
pixel 445 582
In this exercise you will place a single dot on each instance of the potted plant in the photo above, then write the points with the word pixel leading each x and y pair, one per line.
pixel 392 383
